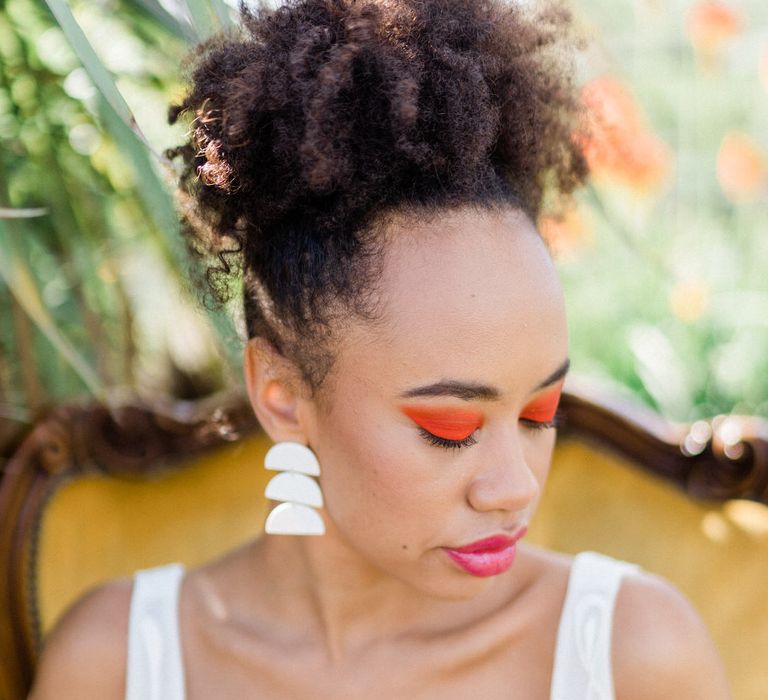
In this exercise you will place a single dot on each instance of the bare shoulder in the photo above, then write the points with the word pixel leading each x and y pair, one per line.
pixel 661 648
pixel 84 654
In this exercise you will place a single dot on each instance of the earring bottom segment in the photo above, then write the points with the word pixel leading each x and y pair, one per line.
pixel 294 519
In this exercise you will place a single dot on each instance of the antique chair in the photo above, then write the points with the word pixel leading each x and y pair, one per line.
pixel 93 494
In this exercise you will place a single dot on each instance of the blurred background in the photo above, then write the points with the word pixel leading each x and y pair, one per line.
pixel 664 256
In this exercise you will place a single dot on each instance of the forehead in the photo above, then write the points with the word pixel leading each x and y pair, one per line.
pixel 467 295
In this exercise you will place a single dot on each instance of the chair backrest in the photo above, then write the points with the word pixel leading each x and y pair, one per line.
pixel 93 494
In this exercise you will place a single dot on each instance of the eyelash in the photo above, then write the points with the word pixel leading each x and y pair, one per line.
pixel 472 440
pixel 542 425
pixel 448 444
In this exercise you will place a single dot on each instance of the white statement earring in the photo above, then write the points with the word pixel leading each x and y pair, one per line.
pixel 294 485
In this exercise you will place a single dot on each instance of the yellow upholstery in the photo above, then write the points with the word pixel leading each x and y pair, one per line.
pixel 99 527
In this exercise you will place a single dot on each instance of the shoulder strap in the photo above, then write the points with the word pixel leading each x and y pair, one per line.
pixel 582 669
pixel 154 669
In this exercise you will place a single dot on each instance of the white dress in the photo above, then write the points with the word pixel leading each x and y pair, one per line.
pixel 582 666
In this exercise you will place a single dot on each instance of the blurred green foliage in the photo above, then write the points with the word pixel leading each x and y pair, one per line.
pixel 98 296
pixel 668 291
pixel 667 282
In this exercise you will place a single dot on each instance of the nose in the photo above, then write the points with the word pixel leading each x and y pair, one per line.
pixel 505 482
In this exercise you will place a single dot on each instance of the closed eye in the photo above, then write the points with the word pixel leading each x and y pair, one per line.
pixel 445 442
pixel 531 424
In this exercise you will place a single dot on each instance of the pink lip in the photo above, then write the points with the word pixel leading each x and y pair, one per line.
pixel 487 557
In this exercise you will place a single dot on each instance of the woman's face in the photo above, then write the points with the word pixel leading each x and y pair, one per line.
pixel 435 430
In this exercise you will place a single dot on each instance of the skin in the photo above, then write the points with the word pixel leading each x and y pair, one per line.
pixel 375 607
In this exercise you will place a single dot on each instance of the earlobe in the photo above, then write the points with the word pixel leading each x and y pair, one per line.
pixel 271 389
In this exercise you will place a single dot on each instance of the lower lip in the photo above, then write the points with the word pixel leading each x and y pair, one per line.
pixel 484 563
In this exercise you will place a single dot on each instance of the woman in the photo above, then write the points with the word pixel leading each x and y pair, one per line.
pixel 376 169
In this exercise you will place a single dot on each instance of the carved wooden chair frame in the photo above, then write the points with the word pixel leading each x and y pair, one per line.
pixel 716 460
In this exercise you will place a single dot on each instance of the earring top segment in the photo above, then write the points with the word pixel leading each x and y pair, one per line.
pixel 292 456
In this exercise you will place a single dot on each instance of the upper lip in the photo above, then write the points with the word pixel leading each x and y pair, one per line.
pixel 495 543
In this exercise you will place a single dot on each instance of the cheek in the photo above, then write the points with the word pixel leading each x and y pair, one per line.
pixel 376 478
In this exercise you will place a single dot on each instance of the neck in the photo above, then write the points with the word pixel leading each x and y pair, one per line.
pixel 321 586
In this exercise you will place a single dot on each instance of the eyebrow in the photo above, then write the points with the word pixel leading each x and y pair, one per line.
pixel 556 376
pixel 469 391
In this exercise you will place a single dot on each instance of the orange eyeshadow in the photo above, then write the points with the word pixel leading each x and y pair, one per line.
pixel 447 423
pixel 543 409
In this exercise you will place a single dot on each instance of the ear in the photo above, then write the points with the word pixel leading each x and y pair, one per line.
pixel 273 384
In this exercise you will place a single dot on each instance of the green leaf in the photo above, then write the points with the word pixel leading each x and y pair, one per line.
pixel 223 12
pixel 152 190
pixel 98 73
pixel 20 280
pixel 167 20
pixel 205 19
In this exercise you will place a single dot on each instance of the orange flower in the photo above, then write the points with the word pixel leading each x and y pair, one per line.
pixel 741 168
pixel 689 300
pixel 566 231
pixel 711 24
pixel 618 145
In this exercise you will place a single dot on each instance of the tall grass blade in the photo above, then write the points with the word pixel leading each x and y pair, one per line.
pixel 19 279
pixel 98 73
pixel 224 13
pixel 7 213
pixel 178 28
pixel 157 201
pixel 205 19
pixel 25 357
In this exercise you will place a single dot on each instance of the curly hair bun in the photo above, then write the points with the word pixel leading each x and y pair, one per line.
pixel 318 114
